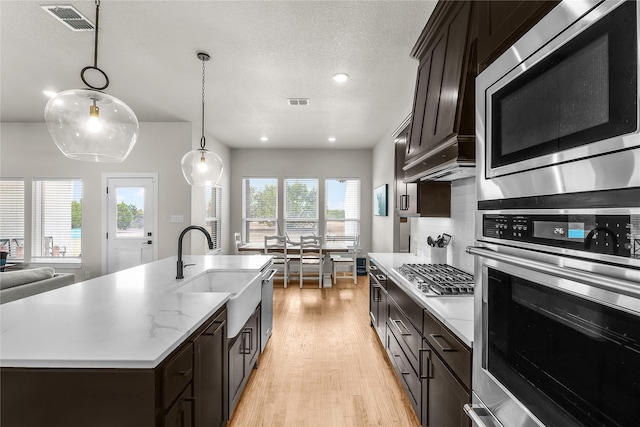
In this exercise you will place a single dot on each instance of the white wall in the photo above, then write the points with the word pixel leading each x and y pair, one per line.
pixel 27 150
pixel 320 164
pixel 460 226
pixel 198 241
pixel 383 173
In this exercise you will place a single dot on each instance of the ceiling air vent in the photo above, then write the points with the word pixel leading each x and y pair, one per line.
pixel 70 17
pixel 298 101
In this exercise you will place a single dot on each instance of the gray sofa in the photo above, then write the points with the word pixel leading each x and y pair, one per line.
pixel 23 283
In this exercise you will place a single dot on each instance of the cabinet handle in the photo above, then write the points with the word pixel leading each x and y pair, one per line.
pixel 208 334
pixel 189 399
pixel 185 373
pixel 437 338
pixel 426 351
pixel 244 349
pixel 379 297
pixel 395 322
pixel 403 372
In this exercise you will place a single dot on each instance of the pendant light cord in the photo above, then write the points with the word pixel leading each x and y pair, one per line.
pixel 95 57
pixel 202 138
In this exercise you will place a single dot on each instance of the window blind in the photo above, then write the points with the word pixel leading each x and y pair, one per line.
pixel 342 207
pixel 213 223
pixel 12 217
pixel 300 207
pixel 57 218
pixel 259 208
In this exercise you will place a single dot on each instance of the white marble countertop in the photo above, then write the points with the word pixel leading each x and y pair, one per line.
pixel 120 320
pixel 455 312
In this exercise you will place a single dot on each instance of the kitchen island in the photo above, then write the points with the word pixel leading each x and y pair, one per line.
pixel 115 350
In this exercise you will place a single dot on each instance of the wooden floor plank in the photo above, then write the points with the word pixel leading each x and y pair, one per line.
pixel 324 365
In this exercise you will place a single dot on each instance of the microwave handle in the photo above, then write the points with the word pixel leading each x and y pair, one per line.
pixel 603 282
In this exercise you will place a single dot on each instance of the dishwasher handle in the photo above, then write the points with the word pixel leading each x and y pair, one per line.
pixel 269 278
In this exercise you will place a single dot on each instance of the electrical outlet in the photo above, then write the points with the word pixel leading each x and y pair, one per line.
pixel 87 274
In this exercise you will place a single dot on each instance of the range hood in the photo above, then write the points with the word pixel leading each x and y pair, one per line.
pixel 451 161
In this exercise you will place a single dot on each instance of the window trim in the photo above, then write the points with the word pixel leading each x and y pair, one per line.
pixel 245 219
pixel 218 219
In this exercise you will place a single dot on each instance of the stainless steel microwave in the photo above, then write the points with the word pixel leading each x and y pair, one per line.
pixel 558 112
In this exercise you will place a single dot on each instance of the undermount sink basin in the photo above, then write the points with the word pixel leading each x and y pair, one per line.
pixel 245 289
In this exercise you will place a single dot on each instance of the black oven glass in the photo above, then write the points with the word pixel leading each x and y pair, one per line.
pixel 569 360
pixel 581 93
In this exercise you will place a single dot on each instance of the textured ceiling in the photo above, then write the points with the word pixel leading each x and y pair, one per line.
pixel 262 52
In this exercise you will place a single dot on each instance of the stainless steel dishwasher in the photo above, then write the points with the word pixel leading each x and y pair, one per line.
pixel 266 314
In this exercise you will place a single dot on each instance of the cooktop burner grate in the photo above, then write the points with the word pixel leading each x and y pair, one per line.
pixel 438 279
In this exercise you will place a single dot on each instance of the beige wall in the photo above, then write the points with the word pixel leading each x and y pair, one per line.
pixel 320 164
pixel 27 150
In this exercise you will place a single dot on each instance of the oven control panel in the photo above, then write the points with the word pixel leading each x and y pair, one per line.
pixel 617 235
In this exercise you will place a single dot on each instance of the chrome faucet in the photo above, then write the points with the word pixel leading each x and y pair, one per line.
pixel 180 271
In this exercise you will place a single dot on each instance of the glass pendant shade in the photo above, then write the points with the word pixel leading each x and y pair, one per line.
pixel 202 167
pixel 91 126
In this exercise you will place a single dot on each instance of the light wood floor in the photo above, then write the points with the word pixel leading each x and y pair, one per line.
pixel 324 365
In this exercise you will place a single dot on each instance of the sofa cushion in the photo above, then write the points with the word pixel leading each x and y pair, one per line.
pixel 10 279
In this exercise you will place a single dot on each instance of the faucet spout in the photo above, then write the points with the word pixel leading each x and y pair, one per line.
pixel 180 266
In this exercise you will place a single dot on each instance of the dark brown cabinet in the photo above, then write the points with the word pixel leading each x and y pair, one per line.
pixel 243 356
pixel 433 365
pixel 442 132
pixel 187 389
pixel 210 382
pixel 502 23
pixel 443 397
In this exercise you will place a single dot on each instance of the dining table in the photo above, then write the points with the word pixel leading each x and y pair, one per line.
pixel 335 246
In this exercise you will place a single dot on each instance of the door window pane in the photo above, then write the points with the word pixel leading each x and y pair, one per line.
pixel 130 212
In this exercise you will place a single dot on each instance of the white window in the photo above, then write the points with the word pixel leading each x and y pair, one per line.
pixel 342 208
pixel 213 203
pixel 259 208
pixel 12 217
pixel 57 218
pixel 300 207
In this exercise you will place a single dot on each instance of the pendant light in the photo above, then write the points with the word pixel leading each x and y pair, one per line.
pixel 202 167
pixel 89 125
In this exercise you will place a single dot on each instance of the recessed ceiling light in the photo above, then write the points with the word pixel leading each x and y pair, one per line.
pixel 264 139
pixel 332 139
pixel 49 93
pixel 341 77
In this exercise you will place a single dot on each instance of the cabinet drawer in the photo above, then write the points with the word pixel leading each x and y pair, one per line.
pixel 176 374
pixel 409 307
pixel 456 354
pixel 408 337
pixel 181 413
pixel 410 379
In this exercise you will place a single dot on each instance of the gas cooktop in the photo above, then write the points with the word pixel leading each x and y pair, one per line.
pixel 438 279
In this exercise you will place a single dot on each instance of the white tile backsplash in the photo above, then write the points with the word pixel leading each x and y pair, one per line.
pixel 460 226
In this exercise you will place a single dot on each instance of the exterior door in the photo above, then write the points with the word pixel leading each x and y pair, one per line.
pixel 131 222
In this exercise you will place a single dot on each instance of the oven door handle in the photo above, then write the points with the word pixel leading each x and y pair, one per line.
pixel 603 282
pixel 471 413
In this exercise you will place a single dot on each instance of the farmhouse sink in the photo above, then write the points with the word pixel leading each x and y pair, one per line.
pixel 245 289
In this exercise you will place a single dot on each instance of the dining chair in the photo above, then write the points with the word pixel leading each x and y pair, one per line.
pixel 276 246
pixel 311 258
pixel 347 262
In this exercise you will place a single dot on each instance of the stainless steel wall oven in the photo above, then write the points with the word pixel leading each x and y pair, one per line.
pixel 557 292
